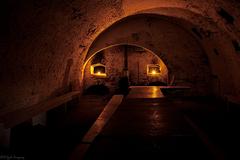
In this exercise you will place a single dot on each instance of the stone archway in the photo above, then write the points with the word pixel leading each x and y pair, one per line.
pixel 138 61
pixel 183 54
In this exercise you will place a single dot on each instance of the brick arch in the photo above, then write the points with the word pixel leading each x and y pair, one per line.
pixel 44 39
pixel 209 37
pixel 164 65
pixel 130 44
pixel 182 56
pixel 114 54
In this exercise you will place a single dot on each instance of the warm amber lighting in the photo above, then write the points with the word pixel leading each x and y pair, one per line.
pixel 153 72
pixel 98 73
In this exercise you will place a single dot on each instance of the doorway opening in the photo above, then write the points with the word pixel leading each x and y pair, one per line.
pixel 125 65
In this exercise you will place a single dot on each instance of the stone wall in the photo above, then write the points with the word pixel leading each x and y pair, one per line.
pixel 138 59
pixel 137 65
pixel 182 53
pixel 45 41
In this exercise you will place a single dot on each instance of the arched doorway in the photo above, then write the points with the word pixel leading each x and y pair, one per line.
pixel 141 66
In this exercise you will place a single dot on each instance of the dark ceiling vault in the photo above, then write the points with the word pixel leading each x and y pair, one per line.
pixel 48 41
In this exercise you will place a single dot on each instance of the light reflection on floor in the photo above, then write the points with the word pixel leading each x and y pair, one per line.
pixel 145 92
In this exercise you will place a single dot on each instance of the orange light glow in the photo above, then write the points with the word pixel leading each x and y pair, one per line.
pixel 154 72
pixel 98 73
pixel 101 74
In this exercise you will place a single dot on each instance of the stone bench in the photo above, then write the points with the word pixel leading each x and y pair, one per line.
pixel 35 112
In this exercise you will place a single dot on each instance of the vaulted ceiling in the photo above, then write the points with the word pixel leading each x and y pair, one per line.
pixel 46 43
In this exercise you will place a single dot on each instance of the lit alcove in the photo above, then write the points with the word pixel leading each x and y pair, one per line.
pixel 153 70
pixel 108 66
pixel 98 70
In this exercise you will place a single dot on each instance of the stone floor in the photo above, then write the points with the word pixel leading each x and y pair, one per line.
pixel 145 92
pixel 145 126
pixel 148 126
pixel 64 131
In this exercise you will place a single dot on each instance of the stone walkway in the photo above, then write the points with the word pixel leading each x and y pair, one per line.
pixel 147 126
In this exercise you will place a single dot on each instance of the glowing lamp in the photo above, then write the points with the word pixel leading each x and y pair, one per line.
pixel 154 72
pixel 98 70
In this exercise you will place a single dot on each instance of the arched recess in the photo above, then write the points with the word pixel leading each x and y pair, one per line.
pixel 213 41
pixel 112 57
pixel 120 44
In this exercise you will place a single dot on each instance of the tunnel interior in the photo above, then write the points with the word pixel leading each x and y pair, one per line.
pixel 140 66
pixel 95 79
